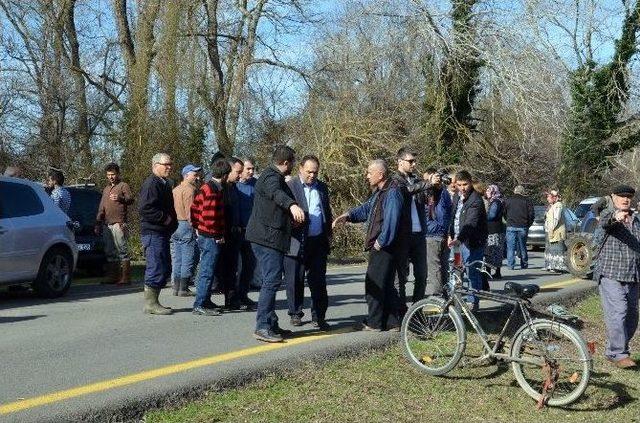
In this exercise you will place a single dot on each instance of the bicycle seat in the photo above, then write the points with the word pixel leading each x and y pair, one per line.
pixel 521 291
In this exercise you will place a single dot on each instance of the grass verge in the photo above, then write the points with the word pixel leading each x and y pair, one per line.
pixel 382 387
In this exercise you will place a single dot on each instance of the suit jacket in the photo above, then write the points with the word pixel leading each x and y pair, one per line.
pixel 299 234
pixel 270 221
pixel 473 221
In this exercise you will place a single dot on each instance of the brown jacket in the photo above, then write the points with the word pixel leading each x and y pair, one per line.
pixel 183 198
pixel 110 211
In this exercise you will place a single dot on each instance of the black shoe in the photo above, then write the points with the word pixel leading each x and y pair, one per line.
pixel 366 328
pixel 204 311
pixel 248 304
pixel 282 332
pixel 213 306
pixel 321 325
pixel 232 305
pixel 296 321
pixel 266 335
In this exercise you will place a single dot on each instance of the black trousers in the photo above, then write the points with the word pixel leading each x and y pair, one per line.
pixel 313 265
pixel 227 273
pixel 381 294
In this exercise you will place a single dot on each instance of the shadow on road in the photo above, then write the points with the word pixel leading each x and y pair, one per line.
pixel 20 318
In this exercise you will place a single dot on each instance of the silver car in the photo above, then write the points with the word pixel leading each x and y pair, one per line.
pixel 36 239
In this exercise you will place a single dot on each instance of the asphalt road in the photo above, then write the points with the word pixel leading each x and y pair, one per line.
pixel 93 353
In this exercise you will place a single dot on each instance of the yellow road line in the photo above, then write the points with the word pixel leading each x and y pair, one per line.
pixel 560 284
pixel 105 385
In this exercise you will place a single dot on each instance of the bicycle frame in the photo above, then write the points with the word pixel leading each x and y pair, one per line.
pixel 455 294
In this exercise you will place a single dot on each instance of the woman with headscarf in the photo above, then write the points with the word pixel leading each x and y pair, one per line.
pixel 494 251
pixel 556 234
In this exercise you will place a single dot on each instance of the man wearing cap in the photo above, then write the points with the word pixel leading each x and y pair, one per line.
pixel 183 239
pixel 618 274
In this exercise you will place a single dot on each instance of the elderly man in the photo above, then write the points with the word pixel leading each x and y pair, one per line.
pixel 618 274
pixel 111 223
pixel 158 221
pixel 382 212
pixel 183 240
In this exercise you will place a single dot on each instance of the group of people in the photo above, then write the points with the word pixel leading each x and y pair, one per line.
pixel 233 230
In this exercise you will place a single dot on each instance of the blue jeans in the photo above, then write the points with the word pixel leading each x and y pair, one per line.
pixel 270 264
pixel 156 253
pixel 475 277
pixel 209 253
pixel 517 239
pixel 183 242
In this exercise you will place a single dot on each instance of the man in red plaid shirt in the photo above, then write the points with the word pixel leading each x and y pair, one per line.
pixel 207 218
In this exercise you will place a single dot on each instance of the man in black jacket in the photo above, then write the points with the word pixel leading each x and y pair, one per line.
pixel 310 245
pixel 269 231
pixel 468 229
pixel 157 222
pixel 519 213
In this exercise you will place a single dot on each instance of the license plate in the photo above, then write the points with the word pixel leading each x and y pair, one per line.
pixel 84 247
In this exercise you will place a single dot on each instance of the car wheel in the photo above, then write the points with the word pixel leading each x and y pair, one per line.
pixel 54 276
pixel 579 256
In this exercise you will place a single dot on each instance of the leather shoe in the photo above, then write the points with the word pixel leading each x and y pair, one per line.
pixel 266 335
pixel 248 304
pixel 296 321
pixel 321 325
pixel 282 332
pixel 366 328
pixel 623 363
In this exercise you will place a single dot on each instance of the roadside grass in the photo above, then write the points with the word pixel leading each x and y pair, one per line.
pixel 382 386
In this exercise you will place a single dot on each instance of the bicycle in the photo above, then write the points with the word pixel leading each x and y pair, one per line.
pixel 550 359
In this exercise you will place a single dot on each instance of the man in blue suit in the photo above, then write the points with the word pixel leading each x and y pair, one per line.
pixel 310 245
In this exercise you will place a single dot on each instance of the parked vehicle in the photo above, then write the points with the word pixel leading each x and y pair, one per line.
pixel 36 239
pixel 580 254
pixel 85 200
pixel 536 235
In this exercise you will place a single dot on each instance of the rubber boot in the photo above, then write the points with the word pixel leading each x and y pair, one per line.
pixel 125 276
pixel 151 304
pixel 183 289
pixel 112 273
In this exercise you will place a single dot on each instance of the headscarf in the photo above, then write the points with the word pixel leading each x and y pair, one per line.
pixel 494 193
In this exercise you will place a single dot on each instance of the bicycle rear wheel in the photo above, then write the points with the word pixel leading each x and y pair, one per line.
pixel 561 357
pixel 433 338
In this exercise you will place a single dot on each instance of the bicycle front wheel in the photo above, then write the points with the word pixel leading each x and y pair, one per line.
pixel 433 337
pixel 558 362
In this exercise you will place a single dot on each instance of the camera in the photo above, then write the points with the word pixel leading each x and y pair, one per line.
pixel 444 177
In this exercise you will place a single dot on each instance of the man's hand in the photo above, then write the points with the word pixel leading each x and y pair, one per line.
pixel 621 216
pixel 219 241
pixel 340 220
pixel 453 242
pixel 376 246
pixel 167 221
pixel 297 213
pixel 97 229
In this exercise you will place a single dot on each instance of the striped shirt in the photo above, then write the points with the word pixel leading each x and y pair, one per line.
pixel 207 210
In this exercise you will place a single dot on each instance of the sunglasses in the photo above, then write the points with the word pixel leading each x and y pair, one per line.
pixel 412 161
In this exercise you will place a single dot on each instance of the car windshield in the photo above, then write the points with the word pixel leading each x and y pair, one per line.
pixel 582 210
pixel 84 206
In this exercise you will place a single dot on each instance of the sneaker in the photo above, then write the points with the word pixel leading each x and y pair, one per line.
pixel 204 311
pixel 296 321
pixel 266 335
